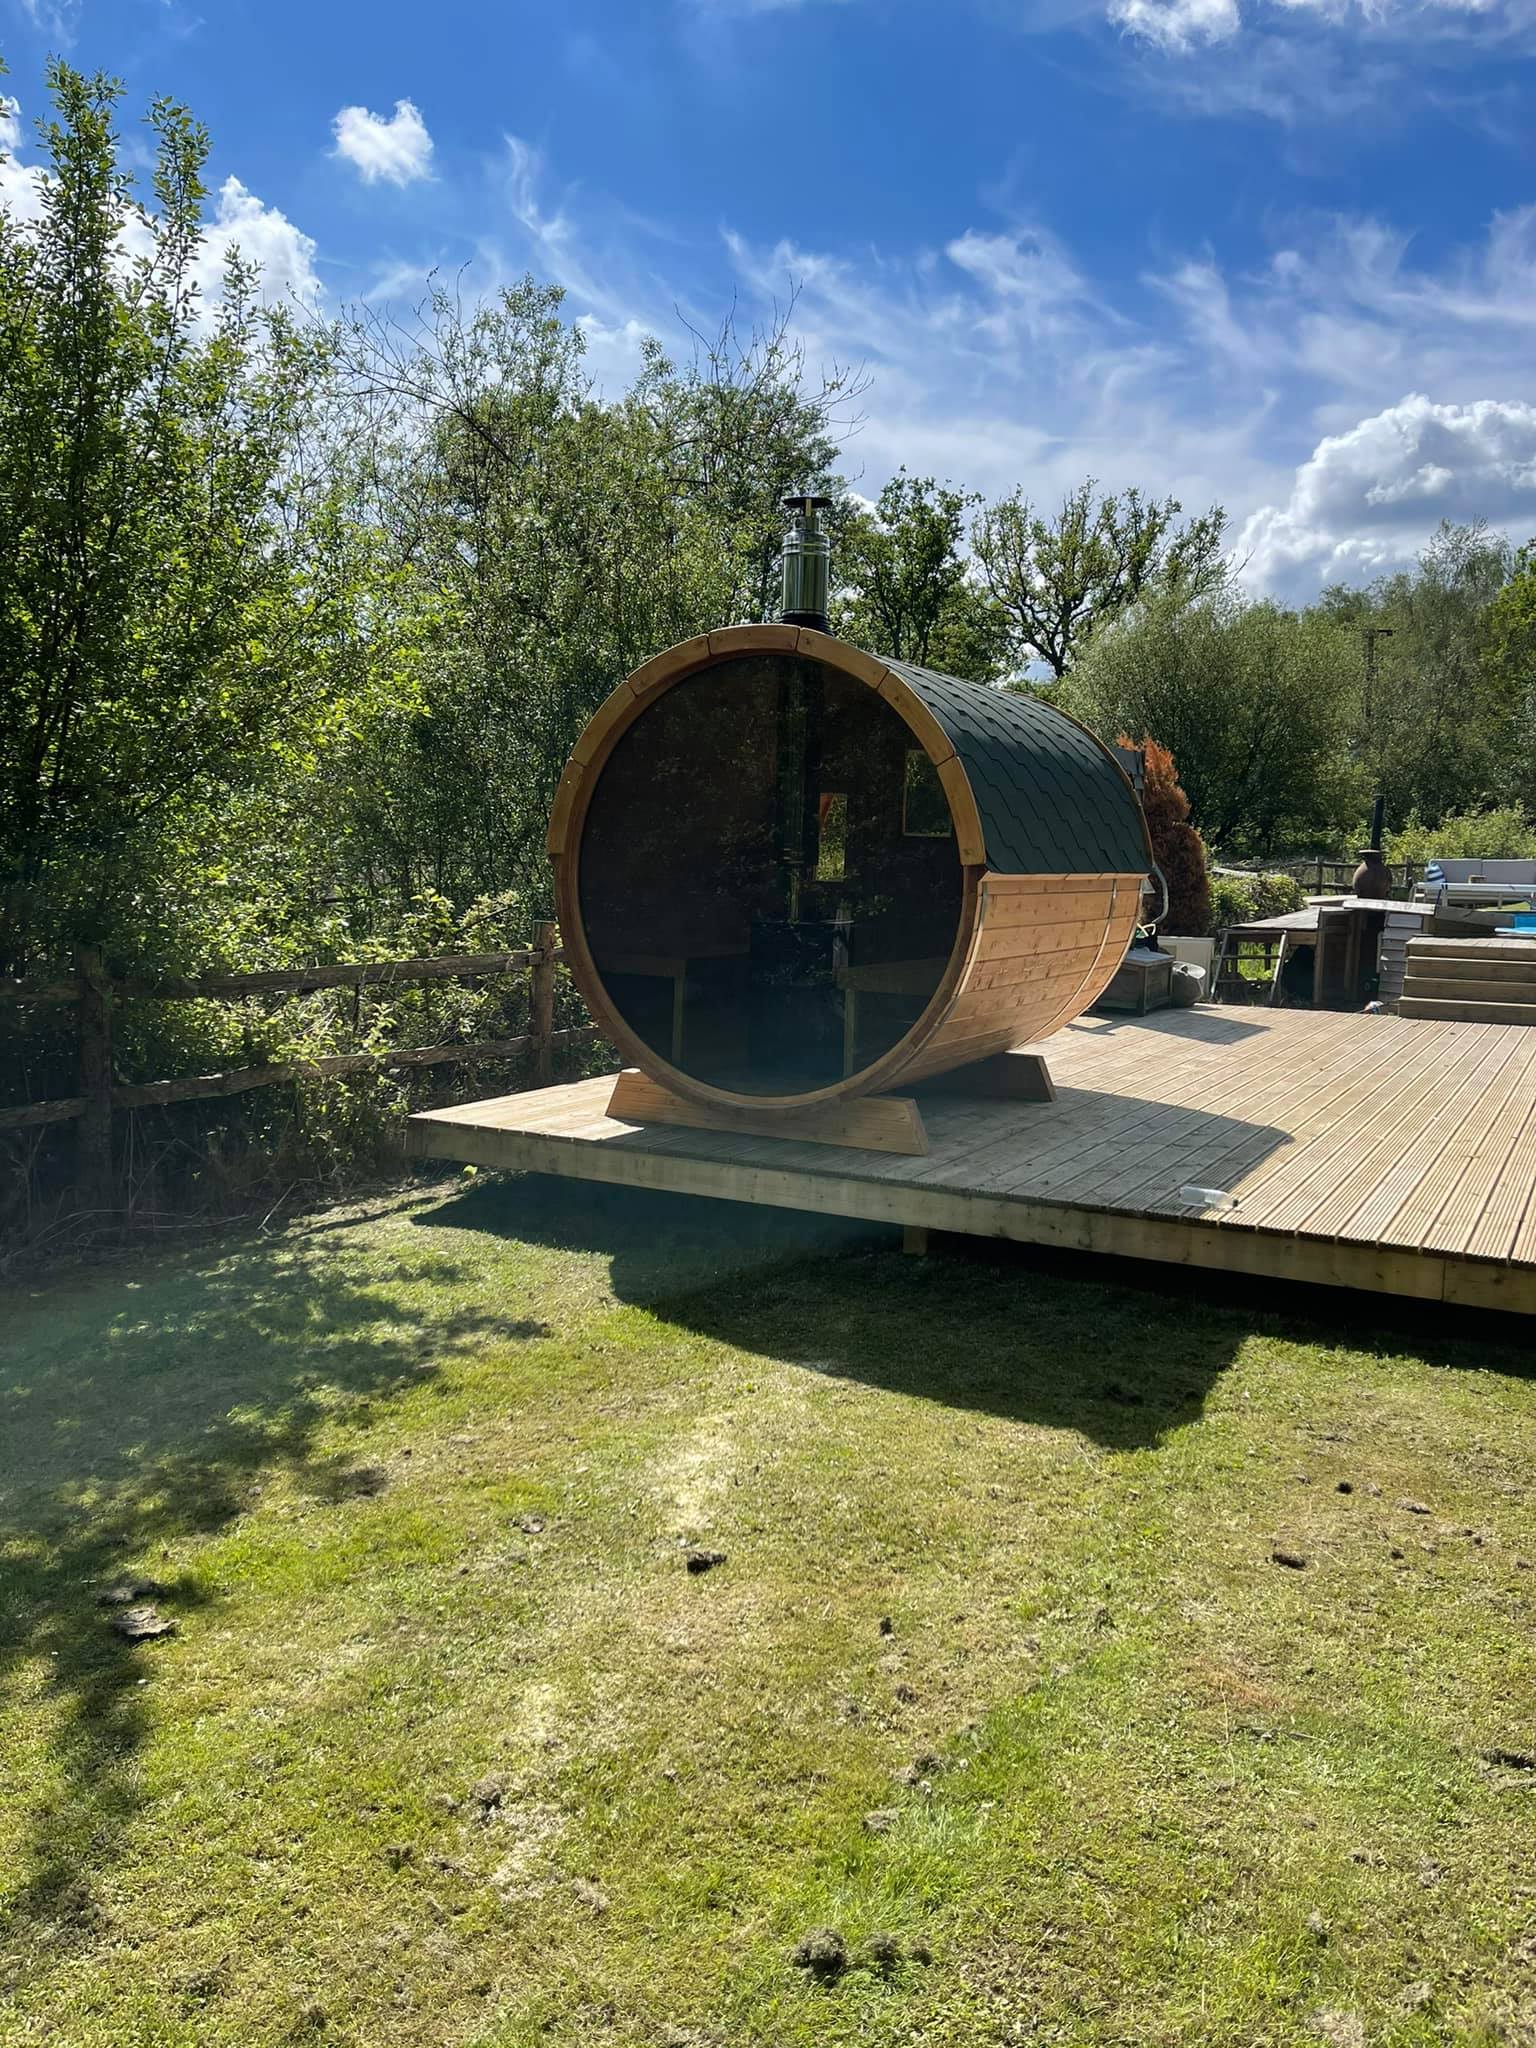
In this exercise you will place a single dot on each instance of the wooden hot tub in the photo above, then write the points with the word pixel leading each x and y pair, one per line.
pixel 788 872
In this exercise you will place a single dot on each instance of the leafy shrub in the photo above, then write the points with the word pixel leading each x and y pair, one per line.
pixel 1239 899
pixel 1176 846
pixel 215 1154
pixel 1505 834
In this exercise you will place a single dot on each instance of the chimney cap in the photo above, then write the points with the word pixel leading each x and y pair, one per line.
pixel 803 501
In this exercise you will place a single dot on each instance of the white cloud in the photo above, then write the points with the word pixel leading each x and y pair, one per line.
pixel 1367 497
pixel 263 234
pixel 996 364
pixel 1277 391
pixel 552 245
pixel 20 184
pixel 524 174
pixel 1183 26
pixel 397 150
pixel 1031 282
pixel 612 355
pixel 1177 24
pixel 998 361
pixel 53 18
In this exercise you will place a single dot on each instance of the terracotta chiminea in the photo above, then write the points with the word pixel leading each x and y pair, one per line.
pixel 1373 878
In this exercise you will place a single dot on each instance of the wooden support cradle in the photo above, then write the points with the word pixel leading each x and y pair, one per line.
pixel 869 1123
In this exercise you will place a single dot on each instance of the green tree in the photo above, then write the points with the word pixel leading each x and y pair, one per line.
pixel 1509 664
pixel 1434 717
pixel 1059 580
pixel 1506 832
pixel 548 542
pixel 906 588
pixel 1252 701
pixel 177 589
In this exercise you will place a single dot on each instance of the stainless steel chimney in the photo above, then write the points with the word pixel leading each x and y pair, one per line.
pixel 807 564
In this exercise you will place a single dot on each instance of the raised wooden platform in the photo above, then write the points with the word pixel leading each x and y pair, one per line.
pixel 1391 1153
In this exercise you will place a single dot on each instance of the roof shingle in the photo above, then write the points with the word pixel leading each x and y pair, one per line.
pixel 1053 799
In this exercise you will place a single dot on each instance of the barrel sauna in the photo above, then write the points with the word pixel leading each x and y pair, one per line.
pixel 789 873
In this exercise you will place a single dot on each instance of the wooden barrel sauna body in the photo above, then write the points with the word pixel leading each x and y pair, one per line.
pixel 788 872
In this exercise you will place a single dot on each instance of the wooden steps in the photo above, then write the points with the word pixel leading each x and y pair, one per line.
pixel 1520 951
pixel 1455 1011
pixel 1471 981
pixel 1460 968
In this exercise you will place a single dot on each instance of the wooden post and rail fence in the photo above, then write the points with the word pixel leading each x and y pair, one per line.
pixel 1325 875
pixel 94 993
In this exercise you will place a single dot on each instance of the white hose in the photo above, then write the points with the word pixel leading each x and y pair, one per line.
pixel 1162 880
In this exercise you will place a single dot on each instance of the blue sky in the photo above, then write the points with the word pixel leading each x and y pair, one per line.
pixel 1276 253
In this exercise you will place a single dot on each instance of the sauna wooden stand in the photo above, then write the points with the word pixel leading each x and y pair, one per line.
pixel 869 1123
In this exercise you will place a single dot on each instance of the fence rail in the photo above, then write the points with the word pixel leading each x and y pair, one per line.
pixel 286 980
pixel 94 992
pixel 1325 874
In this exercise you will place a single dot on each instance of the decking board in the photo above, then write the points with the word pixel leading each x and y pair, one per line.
pixel 1444 1207
pixel 1390 1153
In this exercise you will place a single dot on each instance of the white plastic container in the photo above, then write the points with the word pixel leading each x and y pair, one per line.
pixel 1198 952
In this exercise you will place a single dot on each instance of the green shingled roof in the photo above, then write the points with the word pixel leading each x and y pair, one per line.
pixel 1053 800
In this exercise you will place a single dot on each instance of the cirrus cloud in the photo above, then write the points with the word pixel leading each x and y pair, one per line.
pixel 1180 25
pixel 1177 24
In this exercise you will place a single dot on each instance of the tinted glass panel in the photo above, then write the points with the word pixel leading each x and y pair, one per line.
pixel 757 906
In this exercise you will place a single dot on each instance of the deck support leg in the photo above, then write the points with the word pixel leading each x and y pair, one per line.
pixel 916 1240
pixel 1220 967
pixel 1280 959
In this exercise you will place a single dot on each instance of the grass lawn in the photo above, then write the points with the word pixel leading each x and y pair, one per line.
pixel 450 1747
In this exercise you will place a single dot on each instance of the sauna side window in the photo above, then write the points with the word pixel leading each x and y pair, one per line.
pixel 924 806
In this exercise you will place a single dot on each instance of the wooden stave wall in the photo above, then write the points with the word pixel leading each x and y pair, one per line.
pixel 976 1010
pixel 1079 924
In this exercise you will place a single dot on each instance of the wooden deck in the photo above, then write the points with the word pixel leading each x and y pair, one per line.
pixel 1382 1152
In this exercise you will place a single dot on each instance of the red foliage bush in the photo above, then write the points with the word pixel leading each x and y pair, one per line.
pixel 1177 847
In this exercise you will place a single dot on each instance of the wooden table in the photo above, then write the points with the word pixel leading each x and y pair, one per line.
pixel 1280 934
pixel 1275 934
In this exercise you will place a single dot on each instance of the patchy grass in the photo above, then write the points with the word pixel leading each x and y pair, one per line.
pixel 449 1746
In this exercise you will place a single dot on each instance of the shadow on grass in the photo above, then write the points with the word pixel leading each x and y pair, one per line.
pixel 136 1417
pixel 841 1299
pixel 1118 1349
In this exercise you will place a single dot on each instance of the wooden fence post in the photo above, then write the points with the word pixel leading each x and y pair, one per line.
pixel 93 1139
pixel 545 941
